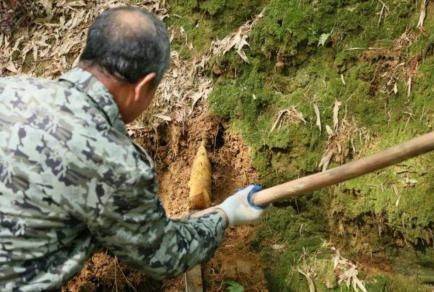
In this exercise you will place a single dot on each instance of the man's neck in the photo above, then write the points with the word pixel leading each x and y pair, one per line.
pixel 118 90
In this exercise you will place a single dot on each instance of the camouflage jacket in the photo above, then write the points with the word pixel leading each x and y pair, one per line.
pixel 71 180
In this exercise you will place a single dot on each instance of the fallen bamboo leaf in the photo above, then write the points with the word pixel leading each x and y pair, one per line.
pixel 318 117
pixel 310 283
pixel 278 246
pixel 395 89
pixel 323 39
pixel 163 117
pixel 343 79
pixel 410 182
pixel 292 114
pixel 336 114
pixel 237 40
pixel 11 67
pixel 325 160
pixel 409 82
pixel 329 130
pixel 422 14
pixel 347 272
pixel 277 121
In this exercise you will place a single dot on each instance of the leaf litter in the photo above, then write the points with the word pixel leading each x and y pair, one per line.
pixel 341 138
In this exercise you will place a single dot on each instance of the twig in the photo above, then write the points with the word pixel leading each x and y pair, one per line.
pixel 125 277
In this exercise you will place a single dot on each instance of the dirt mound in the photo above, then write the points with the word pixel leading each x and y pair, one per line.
pixel 173 147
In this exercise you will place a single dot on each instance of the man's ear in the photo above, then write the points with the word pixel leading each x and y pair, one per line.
pixel 144 85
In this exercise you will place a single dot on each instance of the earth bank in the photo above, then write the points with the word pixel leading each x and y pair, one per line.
pixel 327 82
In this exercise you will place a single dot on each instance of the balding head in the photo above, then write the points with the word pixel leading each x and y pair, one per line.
pixel 128 43
pixel 127 23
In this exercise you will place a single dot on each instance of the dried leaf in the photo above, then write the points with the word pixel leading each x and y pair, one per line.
pixel 318 117
pixel 310 283
pixel 277 246
pixel 291 114
pixel 237 40
pixel 395 89
pixel 325 160
pixel 329 131
pixel 343 79
pixel 11 67
pixel 163 117
pixel 422 14
pixel 336 114
pixel 323 39
pixel 347 273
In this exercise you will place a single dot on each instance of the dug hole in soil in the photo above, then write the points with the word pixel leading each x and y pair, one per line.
pixel 173 147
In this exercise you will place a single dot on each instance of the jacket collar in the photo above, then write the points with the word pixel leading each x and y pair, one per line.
pixel 98 93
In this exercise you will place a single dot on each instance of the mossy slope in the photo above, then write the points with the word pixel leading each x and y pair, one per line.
pixel 313 53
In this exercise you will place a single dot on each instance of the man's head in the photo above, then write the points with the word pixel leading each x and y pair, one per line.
pixel 128 49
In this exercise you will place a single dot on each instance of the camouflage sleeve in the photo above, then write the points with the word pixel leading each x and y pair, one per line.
pixel 130 221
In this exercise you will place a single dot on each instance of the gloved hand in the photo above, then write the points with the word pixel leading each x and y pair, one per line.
pixel 239 207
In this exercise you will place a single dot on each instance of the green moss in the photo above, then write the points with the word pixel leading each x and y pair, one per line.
pixel 299 226
pixel 398 283
pixel 401 193
pixel 400 196
pixel 424 44
pixel 205 20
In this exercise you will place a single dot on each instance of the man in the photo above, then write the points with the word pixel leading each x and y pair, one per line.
pixel 71 179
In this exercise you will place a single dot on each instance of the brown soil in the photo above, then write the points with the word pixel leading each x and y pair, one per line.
pixel 173 147
pixel 103 272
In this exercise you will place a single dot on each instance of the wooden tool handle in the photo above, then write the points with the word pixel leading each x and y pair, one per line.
pixel 390 156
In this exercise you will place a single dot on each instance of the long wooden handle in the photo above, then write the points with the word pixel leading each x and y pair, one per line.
pixel 390 156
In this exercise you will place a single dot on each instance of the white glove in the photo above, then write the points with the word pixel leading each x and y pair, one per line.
pixel 239 207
